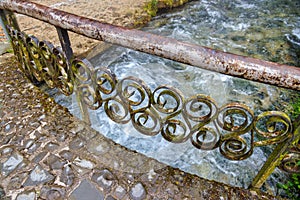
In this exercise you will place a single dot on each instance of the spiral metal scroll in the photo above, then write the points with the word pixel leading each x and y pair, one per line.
pixel 291 162
pixel 233 129
pixel 41 61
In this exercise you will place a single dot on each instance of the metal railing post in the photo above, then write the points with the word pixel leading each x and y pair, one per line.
pixel 8 18
pixel 272 162
pixel 65 43
pixel 276 157
pixel 66 47
pixel 83 108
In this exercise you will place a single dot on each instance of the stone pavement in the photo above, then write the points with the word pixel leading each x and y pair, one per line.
pixel 46 153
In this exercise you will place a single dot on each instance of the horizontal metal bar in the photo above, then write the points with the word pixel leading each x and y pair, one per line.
pixel 203 57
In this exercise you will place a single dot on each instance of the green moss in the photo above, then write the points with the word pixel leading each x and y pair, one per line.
pixel 9 51
pixel 168 3
pixel 292 186
pixel 172 3
pixel 296 108
pixel 151 8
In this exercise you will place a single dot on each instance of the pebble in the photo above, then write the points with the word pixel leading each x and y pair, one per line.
pixel 86 191
pixel 67 176
pixel 76 143
pixel 2 193
pixel 38 176
pixel 27 195
pixel 52 193
pixel 104 178
pixel 119 192
pixel 11 164
pixel 138 192
pixel 55 162
pixel 84 163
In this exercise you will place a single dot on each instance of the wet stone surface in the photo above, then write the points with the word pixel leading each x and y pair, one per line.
pixel 45 153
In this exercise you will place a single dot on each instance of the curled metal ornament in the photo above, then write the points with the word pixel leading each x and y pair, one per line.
pixel 163 110
pixel 167 99
pixel 206 138
pixel 33 49
pixel 291 163
pixel 14 42
pixel 41 61
pixel 117 111
pixel 274 126
pixel 147 122
pixel 236 118
pixel 86 85
pixel 49 68
pixel 64 79
pixel 23 54
pixel 82 71
pixel 105 82
pixel 135 93
pixel 175 131
pixel 236 148
pixel 89 96
pixel 200 108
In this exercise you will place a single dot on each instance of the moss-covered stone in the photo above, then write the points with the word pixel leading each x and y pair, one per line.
pixel 170 3
pixel 152 7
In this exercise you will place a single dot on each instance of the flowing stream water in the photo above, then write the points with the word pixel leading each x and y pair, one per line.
pixel 265 29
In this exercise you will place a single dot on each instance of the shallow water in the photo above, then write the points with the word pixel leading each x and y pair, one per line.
pixel 261 29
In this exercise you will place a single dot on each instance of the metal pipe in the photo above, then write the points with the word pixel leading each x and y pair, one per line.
pixel 65 43
pixel 195 55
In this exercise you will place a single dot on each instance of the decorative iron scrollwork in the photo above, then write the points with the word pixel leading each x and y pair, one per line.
pixel 290 162
pixel 232 128
pixel 41 61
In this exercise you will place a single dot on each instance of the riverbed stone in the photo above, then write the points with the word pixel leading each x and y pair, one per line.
pixel 68 155
pixel 2 193
pixel 27 195
pixel 54 162
pixel 52 193
pixel 119 192
pixel 138 192
pixel 39 157
pixel 97 146
pixel 104 178
pixel 38 176
pixel 17 180
pixel 84 163
pixel 11 164
pixel 51 146
pixel 86 191
pixel 67 176
pixel 77 143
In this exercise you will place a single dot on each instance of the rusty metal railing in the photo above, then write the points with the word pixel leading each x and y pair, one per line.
pixel 164 110
pixel 203 57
